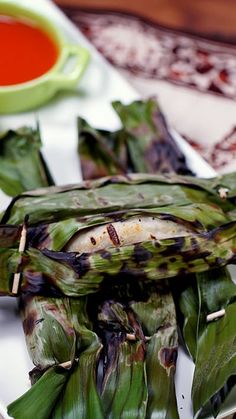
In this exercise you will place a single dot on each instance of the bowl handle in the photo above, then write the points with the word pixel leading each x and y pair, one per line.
pixel 67 80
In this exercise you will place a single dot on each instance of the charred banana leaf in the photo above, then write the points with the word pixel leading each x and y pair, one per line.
pixel 143 144
pixel 158 319
pixel 154 225
pixel 139 334
pixel 120 194
pixel 73 274
pixel 124 385
pixel 141 228
pixel 65 351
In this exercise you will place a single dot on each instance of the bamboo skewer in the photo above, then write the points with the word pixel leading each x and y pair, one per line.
pixel 66 364
pixel 17 275
pixel 132 337
pixel 213 316
pixel 223 192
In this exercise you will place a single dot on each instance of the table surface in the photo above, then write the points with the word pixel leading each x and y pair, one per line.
pixel 213 18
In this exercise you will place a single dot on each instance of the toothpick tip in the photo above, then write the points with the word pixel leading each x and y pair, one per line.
pixel 217 314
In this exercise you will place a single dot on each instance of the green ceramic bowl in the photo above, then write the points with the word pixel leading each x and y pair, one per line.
pixel 33 93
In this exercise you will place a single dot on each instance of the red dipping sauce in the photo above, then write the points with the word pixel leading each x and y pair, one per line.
pixel 26 51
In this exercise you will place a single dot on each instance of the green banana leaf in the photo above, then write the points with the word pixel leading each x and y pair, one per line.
pixel 49 320
pixel 72 274
pixel 40 399
pixel 151 147
pixel 80 397
pixel 101 152
pixel 222 403
pixel 143 144
pixel 125 390
pixel 120 193
pixel 158 319
pixel 22 166
pixel 57 331
pixel 189 306
pixel 124 386
pixel 216 355
pixel 212 345
pixel 46 265
pixel 140 344
pixel 51 272
pixel 227 402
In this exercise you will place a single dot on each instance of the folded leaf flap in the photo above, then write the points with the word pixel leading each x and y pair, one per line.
pixel 34 402
pixel 22 166
pixel 216 340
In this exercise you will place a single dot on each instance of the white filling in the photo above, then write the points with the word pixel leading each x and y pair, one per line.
pixel 123 233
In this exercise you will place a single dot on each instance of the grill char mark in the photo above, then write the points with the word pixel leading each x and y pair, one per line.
pixel 113 235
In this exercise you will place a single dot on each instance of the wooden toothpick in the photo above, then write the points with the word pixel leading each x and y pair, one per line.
pixel 16 283
pixel 130 336
pixel 66 364
pixel 223 192
pixel 16 278
pixel 215 315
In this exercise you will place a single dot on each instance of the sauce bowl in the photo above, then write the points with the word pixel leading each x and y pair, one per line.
pixel 34 92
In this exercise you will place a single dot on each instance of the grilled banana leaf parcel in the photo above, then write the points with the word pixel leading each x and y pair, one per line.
pixel 94 268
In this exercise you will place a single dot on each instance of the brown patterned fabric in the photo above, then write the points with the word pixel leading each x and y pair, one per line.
pixel 151 51
pixel 193 78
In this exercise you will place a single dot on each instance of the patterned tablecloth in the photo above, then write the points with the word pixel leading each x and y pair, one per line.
pixel 193 78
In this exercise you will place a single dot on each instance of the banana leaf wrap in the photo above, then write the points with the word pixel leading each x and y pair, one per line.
pixel 211 344
pixel 57 331
pixel 126 384
pixel 57 215
pixel 50 271
pixel 138 329
pixel 121 193
pixel 67 273
pixel 142 144
pixel 22 166
pixel 158 319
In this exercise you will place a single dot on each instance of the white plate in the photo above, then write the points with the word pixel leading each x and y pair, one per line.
pixel 100 85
